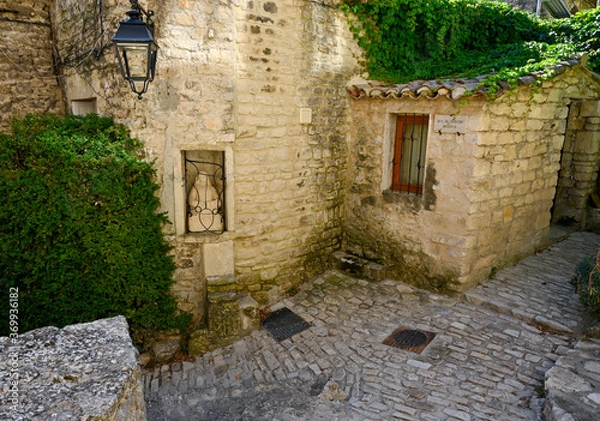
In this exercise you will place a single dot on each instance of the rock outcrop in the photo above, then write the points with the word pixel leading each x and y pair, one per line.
pixel 86 372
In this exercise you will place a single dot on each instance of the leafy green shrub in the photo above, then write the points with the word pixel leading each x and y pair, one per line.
pixel 581 30
pixel 587 282
pixel 405 40
pixel 79 233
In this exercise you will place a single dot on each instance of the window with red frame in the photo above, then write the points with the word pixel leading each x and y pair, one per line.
pixel 408 169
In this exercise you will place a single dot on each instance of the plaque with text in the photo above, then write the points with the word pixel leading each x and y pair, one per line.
pixel 450 123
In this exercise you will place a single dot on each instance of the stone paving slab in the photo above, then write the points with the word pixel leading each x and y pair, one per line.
pixel 537 289
pixel 573 384
pixel 483 364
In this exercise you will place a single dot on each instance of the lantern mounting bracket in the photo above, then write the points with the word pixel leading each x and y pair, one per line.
pixel 149 14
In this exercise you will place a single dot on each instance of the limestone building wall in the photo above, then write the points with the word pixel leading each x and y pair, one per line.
pixel 422 240
pixel 294 59
pixel 580 164
pixel 488 192
pixel 233 78
pixel 28 82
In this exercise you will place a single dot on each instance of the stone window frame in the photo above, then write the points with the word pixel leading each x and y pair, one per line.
pixel 180 194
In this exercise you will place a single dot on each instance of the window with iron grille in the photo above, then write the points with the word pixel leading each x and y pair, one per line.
pixel 408 166
pixel 205 189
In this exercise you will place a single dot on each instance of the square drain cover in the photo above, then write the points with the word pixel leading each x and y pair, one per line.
pixel 284 323
pixel 409 339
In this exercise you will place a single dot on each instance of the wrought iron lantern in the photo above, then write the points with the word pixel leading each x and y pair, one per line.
pixel 136 48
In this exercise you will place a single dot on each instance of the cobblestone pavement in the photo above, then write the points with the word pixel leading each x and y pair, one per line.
pixel 487 361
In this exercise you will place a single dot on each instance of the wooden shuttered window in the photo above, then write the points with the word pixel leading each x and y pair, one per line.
pixel 408 169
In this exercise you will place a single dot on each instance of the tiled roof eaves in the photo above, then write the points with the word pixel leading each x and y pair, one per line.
pixel 450 89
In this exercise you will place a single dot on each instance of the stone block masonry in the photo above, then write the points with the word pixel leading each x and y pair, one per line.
pixel 292 56
pixel 233 78
pixel 28 83
pixel 262 85
pixel 88 371
pixel 580 165
pixel 488 193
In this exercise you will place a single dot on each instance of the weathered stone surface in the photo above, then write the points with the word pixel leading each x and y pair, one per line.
pixel 232 77
pixel 572 384
pixel 564 380
pixel 28 83
pixel 482 364
pixel 164 350
pixel 87 371
pixel 199 342
pixel 230 317
pixel 332 392
pixel 552 325
pixel 221 258
pixel 487 193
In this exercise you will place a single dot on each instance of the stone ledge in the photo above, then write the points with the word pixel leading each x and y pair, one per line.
pixel 573 384
pixel 86 372
pixel 357 266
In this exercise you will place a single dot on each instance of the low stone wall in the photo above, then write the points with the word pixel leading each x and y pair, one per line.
pixel 86 372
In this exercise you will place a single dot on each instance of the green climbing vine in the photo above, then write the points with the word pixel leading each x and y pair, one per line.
pixel 406 40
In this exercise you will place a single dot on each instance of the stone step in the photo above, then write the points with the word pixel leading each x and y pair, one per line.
pixel 357 266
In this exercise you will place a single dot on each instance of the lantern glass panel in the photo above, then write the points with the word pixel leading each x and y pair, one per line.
pixel 135 60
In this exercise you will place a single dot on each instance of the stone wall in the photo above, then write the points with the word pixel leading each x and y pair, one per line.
pixel 422 240
pixel 580 163
pixel 235 78
pixel 514 180
pixel 293 57
pixel 87 371
pixel 28 82
pixel 488 191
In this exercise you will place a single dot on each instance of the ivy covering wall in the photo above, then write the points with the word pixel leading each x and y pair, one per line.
pixel 407 40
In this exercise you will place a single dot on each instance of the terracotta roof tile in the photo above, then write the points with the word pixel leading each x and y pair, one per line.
pixel 452 89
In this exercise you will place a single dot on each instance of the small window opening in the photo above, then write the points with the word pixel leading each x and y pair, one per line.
pixel 408 166
pixel 205 187
pixel 84 106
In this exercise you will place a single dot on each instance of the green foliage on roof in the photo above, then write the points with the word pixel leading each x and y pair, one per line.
pixel 407 40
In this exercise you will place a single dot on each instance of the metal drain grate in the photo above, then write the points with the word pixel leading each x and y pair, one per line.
pixel 284 323
pixel 409 339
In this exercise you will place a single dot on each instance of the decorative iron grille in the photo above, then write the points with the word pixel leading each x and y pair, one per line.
pixel 205 187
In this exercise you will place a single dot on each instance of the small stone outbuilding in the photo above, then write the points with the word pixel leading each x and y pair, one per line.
pixel 481 191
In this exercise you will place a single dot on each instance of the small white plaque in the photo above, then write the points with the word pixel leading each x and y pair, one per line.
pixel 450 123
pixel 305 115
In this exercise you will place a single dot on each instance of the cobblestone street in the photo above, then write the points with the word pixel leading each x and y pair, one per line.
pixel 492 349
